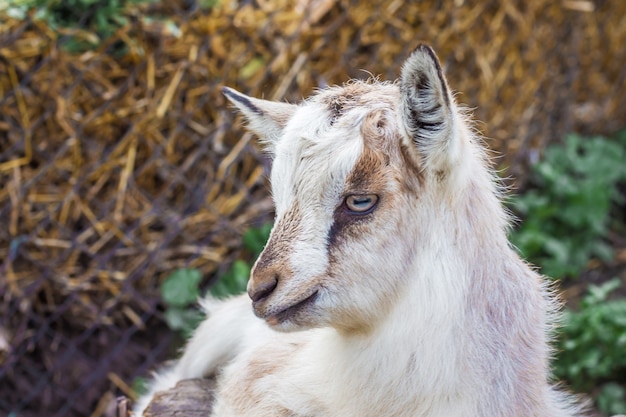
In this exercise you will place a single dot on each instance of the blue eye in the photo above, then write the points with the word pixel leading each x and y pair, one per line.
pixel 361 204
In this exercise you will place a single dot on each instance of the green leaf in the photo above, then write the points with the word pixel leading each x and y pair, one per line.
pixel 255 239
pixel 599 293
pixel 181 287
pixel 251 68
pixel 183 319
pixel 208 4
pixel 140 386
pixel 603 251
pixel 612 399
pixel 573 191
pixel 592 341
pixel 234 281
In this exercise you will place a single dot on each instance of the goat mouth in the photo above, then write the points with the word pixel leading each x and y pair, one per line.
pixel 290 312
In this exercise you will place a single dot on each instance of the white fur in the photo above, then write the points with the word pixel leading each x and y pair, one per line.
pixel 422 308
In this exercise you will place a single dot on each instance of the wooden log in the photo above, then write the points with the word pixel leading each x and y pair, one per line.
pixel 189 398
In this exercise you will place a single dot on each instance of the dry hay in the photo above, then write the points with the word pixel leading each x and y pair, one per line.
pixel 114 170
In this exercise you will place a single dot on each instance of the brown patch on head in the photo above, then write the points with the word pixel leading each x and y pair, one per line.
pixel 340 100
pixel 369 176
pixel 385 160
pixel 380 136
pixel 337 105
pixel 374 131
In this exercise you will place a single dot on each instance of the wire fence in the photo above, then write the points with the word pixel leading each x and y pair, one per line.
pixel 121 162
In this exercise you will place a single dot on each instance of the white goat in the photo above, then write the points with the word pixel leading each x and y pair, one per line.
pixel 388 286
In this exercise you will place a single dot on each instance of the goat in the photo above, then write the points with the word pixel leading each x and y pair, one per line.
pixel 388 286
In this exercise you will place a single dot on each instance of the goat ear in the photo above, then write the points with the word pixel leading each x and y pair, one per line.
pixel 427 105
pixel 266 118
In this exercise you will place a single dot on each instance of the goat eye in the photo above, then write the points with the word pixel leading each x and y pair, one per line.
pixel 361 204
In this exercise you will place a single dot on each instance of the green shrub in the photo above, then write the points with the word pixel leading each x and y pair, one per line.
pixel 591 348
pixel 566 209
pixel 102 16
pixel 89 21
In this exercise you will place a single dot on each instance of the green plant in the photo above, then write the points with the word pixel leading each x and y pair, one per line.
pixel 591 347
pixel 181 289
pixel 180 292
pixel 235 280
pixel 611 399
pixel 140 385
pixel 103 16
pixel 566 210
pixel 86 23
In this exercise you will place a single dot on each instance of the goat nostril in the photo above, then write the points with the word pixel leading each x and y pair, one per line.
pixel 263 290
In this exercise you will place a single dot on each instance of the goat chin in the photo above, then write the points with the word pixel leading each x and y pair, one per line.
pixel 388 286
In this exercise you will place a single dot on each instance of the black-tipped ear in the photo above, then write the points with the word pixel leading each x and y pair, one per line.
pixel 426 100
pixel 265 118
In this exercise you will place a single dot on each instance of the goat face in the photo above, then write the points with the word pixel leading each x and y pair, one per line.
pixel 351 170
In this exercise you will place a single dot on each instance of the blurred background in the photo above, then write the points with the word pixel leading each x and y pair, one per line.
pixel 128 186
